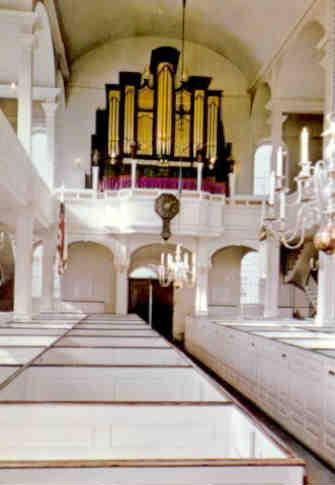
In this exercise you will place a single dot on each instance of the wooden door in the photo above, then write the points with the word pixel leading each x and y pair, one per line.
pixel 162 304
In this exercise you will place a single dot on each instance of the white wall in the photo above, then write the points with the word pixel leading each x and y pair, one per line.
pixel 102 65
pixel 90 276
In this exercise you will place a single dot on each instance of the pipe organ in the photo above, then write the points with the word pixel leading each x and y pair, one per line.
pixel 160 121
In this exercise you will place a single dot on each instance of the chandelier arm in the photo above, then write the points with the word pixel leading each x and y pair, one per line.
pixel 286 242
pixel 296 231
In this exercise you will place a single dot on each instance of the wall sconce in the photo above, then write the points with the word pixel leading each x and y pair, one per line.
pixel 77 162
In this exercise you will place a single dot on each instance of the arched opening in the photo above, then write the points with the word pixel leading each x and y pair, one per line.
pixel 250 277
pixel 170 306
pixel 262 168
pixel 88 284
pixel 147 298
pixel 229 282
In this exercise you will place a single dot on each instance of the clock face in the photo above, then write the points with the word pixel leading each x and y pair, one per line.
pixel 167 206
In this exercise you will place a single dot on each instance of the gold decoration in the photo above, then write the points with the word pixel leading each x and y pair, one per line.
pixel 146 99
pixel 164 109
pixel 145 123
pixel 324 239
pixel 198 121
pixel 113 123
pixel 182 136
pixel 129 118
pixel 212 126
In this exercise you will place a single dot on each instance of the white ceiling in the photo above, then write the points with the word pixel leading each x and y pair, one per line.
pixel 248 32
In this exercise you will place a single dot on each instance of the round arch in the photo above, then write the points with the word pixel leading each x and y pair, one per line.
pixel 252 245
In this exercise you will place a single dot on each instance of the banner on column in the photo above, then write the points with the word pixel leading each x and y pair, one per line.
pixel 61 241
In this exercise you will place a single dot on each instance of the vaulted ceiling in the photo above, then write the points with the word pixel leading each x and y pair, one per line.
pixel 248 32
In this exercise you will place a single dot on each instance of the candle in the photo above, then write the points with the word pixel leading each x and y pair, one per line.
pixel 304 140
pixel 282 205
pixel 162 259
pixel 186 258
pixel 272 188
pixel 280 162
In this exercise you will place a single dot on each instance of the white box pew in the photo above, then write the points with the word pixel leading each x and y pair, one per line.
pixel 38 325
pixel 32 331
pixel 150 445
pixel 27 340
pixel 134 384
pixel 115 356
pixel 114 326
pixel 112 342
pixel 112 332
pixel 18 355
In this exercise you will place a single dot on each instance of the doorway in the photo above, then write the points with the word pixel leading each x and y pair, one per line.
pixel 161 312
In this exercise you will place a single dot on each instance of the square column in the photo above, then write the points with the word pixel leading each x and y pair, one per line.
pixel 48 263
pixel 201 288
pixel 50 124
pixel 23 265
pixel 25 92
pixel 121 302
pixel 272 278
pixel 326 290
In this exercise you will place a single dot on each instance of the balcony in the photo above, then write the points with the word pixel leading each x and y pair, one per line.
pixel 130 210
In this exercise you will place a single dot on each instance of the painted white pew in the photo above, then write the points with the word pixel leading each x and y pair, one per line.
pixel 111 384
pixel 116 356
pixel 112 342
pixel 150 445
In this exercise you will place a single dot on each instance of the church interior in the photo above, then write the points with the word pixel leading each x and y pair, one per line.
pixel 167 242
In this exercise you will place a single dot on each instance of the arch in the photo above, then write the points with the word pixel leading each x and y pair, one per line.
pixel 110 245
pixel 252 245
pixel 150 254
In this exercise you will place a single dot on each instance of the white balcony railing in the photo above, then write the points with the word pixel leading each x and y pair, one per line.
pixel 131 210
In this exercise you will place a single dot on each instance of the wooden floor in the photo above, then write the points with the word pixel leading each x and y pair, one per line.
pixel 318 472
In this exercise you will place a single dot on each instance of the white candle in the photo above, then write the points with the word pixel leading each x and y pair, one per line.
pixel 186 258
pixel 304 141
pixel 162 259
pixel 280 164
pixel 272 188
pixel 282 206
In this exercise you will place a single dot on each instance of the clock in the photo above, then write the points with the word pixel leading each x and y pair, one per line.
pixel 167 207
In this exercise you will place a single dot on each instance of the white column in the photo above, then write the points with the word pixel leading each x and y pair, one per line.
pixel 24 118
pixel 23 265
pixel 326 284
pixel 201 289
pixel 133 173
pixel 121 302
pixel 48 262
pixel 200 167
pixel 50 124
pixel 272 278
